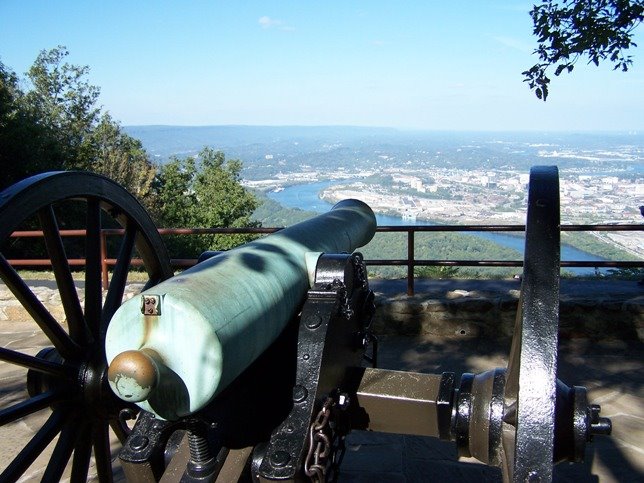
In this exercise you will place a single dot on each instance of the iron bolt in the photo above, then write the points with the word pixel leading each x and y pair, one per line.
pixel 313 321
pixel 598 425
pixel 139 442
pixel 299 393
pixel 280 458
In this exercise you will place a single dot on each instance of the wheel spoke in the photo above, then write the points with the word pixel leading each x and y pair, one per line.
pixel 66 347
pixel 29 406
pixel 82 455
pixel 34 447
pixel 62 452
pixel 63 274
pixel 119 276
pixel 93 283
pixel 40 365
pixel 102 452
pixel 151 283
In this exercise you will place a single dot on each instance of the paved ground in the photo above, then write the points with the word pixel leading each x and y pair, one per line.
pixel 613 371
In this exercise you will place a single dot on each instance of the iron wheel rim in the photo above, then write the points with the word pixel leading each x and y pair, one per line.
pixel 70 379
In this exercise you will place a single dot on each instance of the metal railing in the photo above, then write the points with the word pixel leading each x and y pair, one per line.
pixel 410 261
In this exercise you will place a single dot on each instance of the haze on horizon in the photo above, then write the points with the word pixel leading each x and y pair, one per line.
pixel 424 65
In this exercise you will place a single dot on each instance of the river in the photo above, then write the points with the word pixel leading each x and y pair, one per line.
pixel 306 197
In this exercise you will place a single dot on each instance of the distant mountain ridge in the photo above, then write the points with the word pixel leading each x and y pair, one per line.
pixel 269 151
pixel 166 140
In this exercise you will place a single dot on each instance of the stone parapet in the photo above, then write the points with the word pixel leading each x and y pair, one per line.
pixel 12 311
pixel 471 308
pixel 454 308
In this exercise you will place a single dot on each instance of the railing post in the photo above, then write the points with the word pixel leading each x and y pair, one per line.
pixel 104 260
pixel 410 261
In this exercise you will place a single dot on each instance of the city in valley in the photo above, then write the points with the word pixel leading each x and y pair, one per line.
pixel 456 196
pixel 442 177
pixel 482 197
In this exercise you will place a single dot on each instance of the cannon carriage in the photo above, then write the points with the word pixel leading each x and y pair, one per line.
pixel 255 363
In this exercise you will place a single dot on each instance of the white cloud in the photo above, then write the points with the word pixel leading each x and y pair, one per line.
pixel 267 22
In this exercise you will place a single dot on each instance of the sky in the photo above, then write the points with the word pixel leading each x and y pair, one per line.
pixel 431 65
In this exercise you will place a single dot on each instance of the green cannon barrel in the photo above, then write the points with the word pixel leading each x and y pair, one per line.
pixel 175 348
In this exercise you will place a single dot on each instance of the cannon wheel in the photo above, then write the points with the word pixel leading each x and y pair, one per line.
pixel 69 377
pixel 531 377
pixel 506 417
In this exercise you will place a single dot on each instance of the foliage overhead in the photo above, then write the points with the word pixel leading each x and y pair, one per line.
pixel 568 30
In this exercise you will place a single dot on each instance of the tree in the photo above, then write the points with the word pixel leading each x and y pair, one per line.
pixel 64 102
pixel 205 193
pixel 218 185
pixel 568 30
pixel 122 158
pixel 175 195
pixel 26 146
pixel 57 125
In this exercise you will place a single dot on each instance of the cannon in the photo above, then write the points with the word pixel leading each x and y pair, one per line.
pixel 257 362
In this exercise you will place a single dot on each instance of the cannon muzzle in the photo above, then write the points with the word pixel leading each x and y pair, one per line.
pixel 187 338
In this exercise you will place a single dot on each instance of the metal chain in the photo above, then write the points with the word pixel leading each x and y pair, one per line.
pixel 361 270
pixel 320 437
pixel 126 414
pixel 317 457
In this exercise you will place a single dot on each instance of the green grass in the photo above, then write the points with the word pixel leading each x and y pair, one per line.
pixel 40 275
pixel 134 276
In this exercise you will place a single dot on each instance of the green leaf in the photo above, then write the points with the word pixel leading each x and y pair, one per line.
pixel 566 30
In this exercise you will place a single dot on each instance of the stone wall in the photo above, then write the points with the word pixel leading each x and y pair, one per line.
pixel 463 313
pixel 12 311
pixel 489 311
